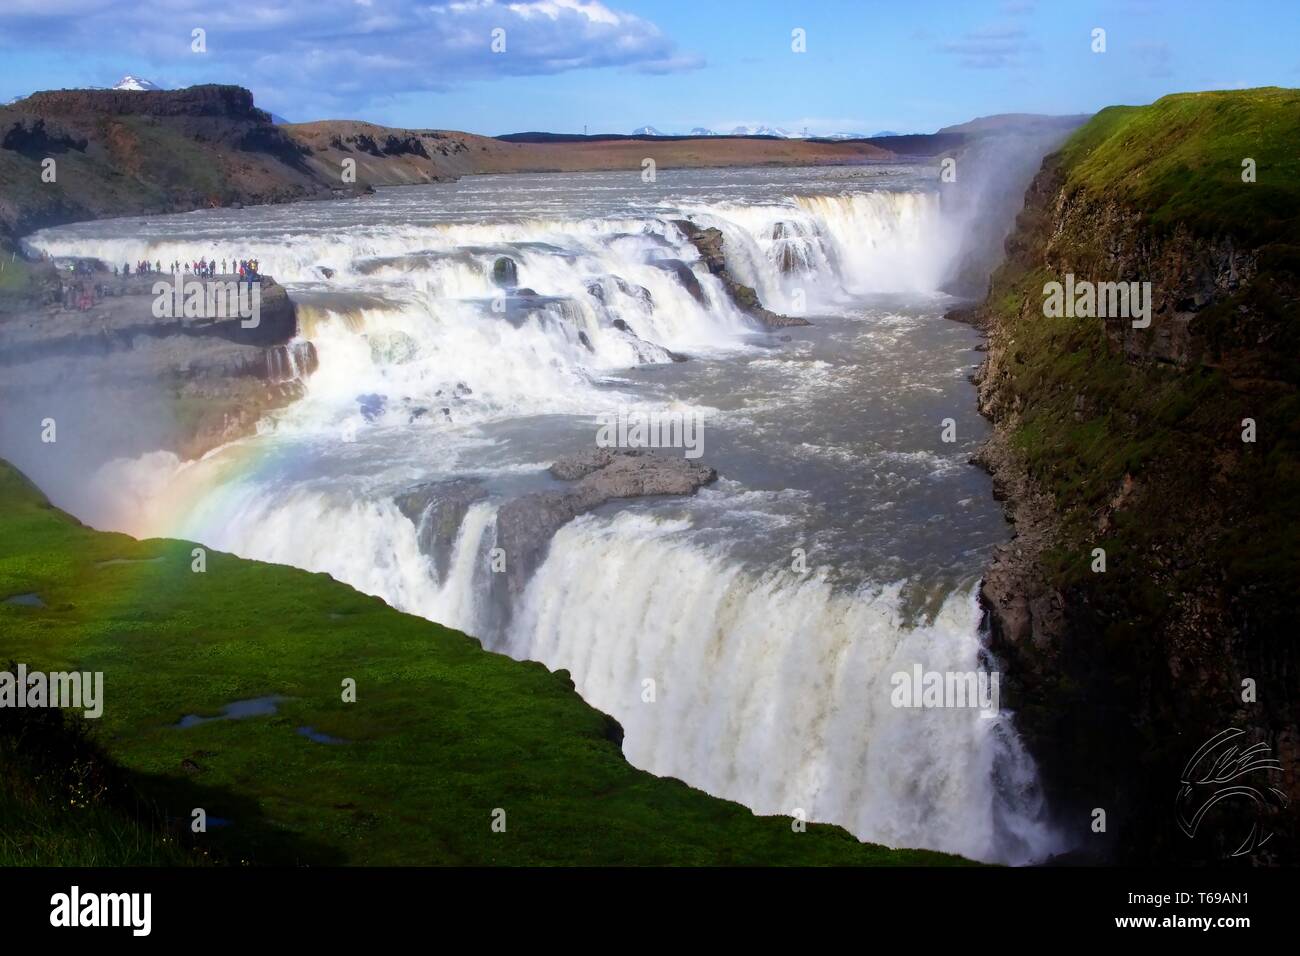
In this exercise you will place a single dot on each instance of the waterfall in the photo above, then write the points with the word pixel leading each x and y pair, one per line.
pixel 769 688
pixel 775 691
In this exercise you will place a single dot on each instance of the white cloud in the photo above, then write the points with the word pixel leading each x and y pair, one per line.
pixel 991 47
pixel 318 51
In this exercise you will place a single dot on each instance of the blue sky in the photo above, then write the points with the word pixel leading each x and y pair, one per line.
pixel 614 65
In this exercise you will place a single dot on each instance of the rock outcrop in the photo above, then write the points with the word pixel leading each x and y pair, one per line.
pixel 709 244
pixel 91 342
pixel 437 509
pixel 526 525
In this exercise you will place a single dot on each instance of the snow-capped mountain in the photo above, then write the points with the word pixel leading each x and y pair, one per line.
pixel 134 83
pixel 760 129
pixel 763 131
pixel 129 83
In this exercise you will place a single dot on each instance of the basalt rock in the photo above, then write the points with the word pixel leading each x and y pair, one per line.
pixel 526 525
pixel 505 273
pixel 709 243
pixel 686 277
pixel 437 509
pixel 786 238
pixel 32 137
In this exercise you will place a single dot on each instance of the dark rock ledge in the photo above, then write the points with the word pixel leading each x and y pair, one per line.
pixel 709 244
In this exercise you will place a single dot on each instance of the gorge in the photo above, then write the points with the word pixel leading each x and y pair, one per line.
pixel 455 347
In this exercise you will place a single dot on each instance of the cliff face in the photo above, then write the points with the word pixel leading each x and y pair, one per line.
pixel 1175 449
pixel 121 153
pixel 232 103
pixel 115 375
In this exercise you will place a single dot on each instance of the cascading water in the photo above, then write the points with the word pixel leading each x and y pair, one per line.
pixel 470 333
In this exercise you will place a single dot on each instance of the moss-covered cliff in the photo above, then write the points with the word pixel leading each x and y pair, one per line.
pixel 1133 441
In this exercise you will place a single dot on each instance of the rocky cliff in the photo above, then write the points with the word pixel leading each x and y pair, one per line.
pixel 85 154
pixel 88 351
pixel 1147 601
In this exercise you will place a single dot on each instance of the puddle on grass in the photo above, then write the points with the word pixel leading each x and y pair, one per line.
pixel 26 600
pixel 311 733
pixel 238 710
pixel 255 707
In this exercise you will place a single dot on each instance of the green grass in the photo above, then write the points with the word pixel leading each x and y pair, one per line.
pixel 16 280
pixel 442 732
pixel 15 276
pixel 1179 160
pixel 35 831
pixel 62 801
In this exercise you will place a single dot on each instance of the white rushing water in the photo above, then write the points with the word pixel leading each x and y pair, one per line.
pixel 770 686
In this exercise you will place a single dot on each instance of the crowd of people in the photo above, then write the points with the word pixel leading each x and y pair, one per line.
pixel 245 268
pixel 81 292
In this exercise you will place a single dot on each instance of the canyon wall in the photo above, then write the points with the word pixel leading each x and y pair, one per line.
pixel 1146 604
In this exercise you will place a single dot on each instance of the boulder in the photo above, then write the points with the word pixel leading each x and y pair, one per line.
pixel 505 273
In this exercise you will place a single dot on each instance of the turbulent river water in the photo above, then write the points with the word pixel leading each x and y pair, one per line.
pixel 771 683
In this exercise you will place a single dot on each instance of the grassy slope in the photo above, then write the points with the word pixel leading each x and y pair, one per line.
pixel 38 829
pixel 441 734
pixel 1179 160
pixel 133 167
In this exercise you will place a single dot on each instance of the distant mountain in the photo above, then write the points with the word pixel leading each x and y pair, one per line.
pixel 886 132
pixel 763 131
pixel 760 129
pixel 134 83
pixel 1006 122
